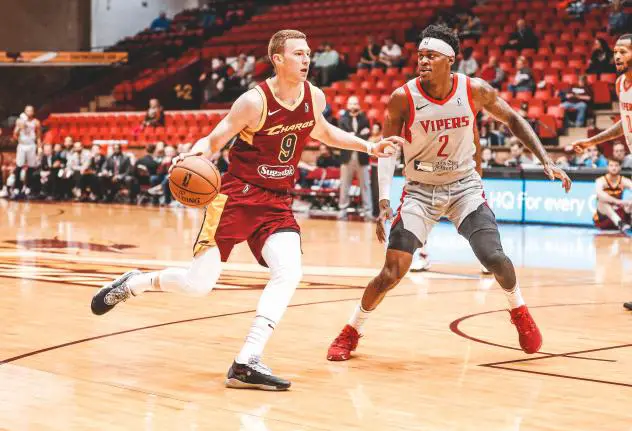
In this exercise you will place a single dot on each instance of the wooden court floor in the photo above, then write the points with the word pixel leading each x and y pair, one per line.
pixel 439 354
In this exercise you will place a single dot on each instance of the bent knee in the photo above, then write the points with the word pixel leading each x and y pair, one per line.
pixel 495 261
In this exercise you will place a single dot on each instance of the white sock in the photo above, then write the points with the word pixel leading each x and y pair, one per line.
pixel 256 340
pixel 358 318
pixel 143 282
pixel 514 296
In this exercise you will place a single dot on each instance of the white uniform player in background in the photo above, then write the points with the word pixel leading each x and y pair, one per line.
pixel 28 134
pixel 623 86
pixel 437 112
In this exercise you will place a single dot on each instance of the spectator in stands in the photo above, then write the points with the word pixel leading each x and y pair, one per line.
pixel 162 23
pixel 325 65
pixel 522 38
pixel 492 73
pixel 163 171
pixel 471 27
pixel 215 79
pixel 67 148
pixel 353 163
pixel 370 54
pixel 523 80
pixel 243 72
pixel 468 65
pixel 592 158
pixel 159 154
pixel 578 99
pixel 601 58
pixel 155 116
pixel 516 156
pixel 576 8
pixel 391 54
pixel 618 19
pixel 116 174
pixel 261 71
pixel 76 163
pixel 488 159
pixel 145 170
pixel 90 177
pixel 618 153
pixel 489 138
pixel 326 158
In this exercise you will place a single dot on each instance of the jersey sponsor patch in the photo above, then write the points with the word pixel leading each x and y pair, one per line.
pixel 437 166
pixel 275 172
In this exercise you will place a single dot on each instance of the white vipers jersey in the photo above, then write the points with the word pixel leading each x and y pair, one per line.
pixel 441 134
pixel 27 134
pixel 624 90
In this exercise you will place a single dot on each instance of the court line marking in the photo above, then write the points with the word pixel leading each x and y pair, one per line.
pixel 454 327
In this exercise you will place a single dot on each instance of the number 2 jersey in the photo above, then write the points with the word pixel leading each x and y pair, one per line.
pixel 268 155
pixel 440 133
pixel 624 91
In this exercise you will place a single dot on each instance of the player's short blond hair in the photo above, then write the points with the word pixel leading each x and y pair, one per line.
pixel 278 39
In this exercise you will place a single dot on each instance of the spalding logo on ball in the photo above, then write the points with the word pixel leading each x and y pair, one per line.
pixel 195 181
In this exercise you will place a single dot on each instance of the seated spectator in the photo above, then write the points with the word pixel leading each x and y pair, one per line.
pixel 325 64
pixel 76 162
pixel 67 148
pixel 391 54
pixel 522 38
pixel 162 23
pixel 618 19
pixel 488 159
pixel 117 174
pixel 51 165
pixel 370 54
pixel 471 28
pixel 243 72
pixel 592 158
pixel 326 159
pixel 155 116
pixel 524 113
pixel 214 80
pixel 262 70
pixel 578 99
pixel 523 81
pixel 468 65
pixel 488 137
pixel 576 9
pixel 516 156
pixel 619 154
pixel 492 73
pixel 90 177
pixel 601 58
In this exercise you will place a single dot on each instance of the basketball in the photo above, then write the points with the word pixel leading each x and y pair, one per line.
pixel 194 182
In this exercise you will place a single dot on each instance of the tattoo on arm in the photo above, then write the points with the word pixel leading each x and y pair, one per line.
pixel 499 109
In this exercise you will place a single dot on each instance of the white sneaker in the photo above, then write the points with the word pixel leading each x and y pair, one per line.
pixel 420 264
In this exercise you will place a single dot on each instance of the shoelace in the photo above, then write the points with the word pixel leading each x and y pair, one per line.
pixel 255 363
pixel 116 295
pixel 524 323
pixel 344 339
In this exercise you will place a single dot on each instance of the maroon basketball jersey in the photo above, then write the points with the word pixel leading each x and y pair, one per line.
pixel 268 155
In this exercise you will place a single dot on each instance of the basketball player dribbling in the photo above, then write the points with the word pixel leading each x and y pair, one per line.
pixel 623 86
pixel 438 112
pixel 273 122
pixel 28 134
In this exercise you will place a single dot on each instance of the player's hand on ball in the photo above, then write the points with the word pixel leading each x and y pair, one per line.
pixel 553 171
pixel 387 146
pixel 386 214
pixel 580 145
pixel 180 157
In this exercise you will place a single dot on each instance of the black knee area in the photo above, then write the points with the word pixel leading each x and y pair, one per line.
pixel 481 230
pixel 402 239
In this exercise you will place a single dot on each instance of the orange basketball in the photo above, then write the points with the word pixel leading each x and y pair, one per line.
pixel 195 181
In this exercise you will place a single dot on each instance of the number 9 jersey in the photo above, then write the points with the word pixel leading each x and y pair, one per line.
pixel 268 156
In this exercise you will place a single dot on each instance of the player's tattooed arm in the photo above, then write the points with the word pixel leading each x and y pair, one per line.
pixel 613 132
pixel 486 97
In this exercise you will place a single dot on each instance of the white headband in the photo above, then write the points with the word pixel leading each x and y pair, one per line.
pixel 437 45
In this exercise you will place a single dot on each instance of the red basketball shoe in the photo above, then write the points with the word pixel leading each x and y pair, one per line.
pixel 528 332
pixel 344 344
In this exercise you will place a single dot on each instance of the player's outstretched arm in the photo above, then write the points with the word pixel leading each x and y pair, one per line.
pixel 335 137
pixel 613 132
pixel 486 97
pixel 245 112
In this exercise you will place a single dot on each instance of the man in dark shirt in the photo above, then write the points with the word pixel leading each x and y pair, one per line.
pixel 370 54
pixel 522 38
pixel 116 173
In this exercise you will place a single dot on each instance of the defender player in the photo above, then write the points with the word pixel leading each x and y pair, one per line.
pixel 28 134
pixel 612 211
pixel 273 121
pixel 623 86
pixel 438 112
